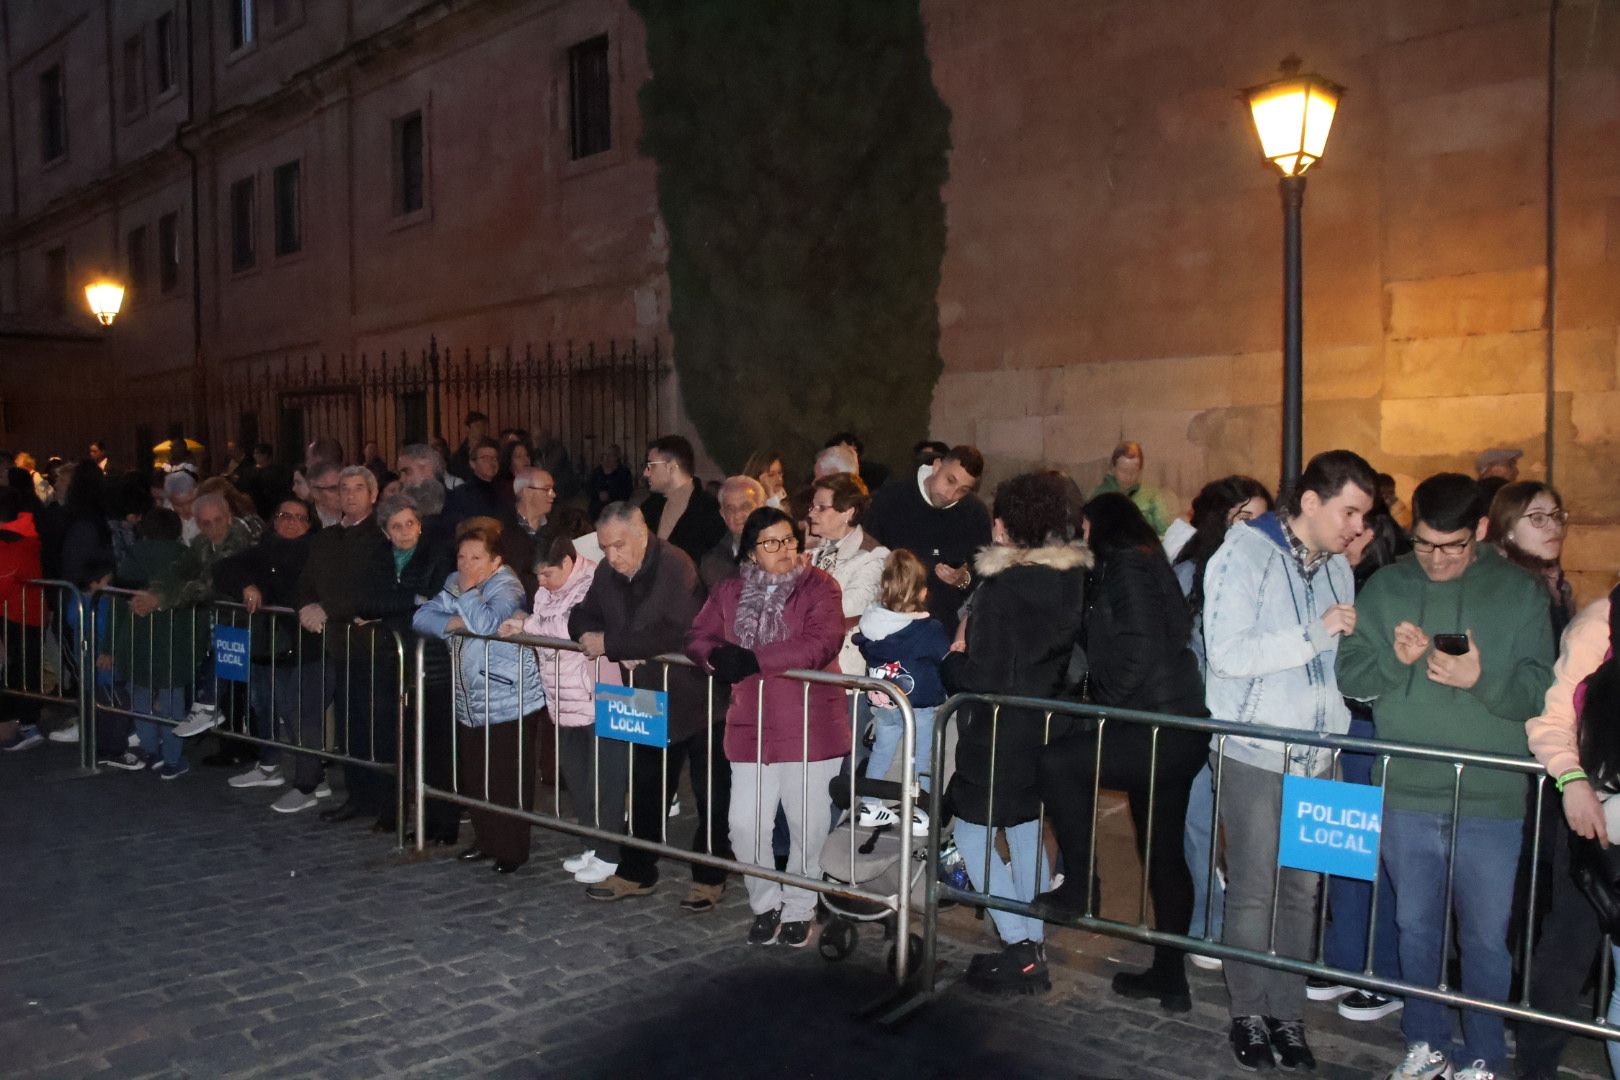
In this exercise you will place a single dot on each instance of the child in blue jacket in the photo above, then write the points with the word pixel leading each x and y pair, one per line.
pixel 903 644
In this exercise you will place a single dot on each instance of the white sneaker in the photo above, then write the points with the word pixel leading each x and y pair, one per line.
pixel 1208 963
pixel 595 871
pixel 876 815
pixel 258 776
pixel 579 862
pixel 323 790
pixel 1421 1063
pixel 675 807
pixel 69 734
pixel 919 822
pixel 293 801
pixel 201 718
pixel 1476 1071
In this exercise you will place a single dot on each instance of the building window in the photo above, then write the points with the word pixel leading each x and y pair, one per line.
pixel 56 281
pixel 134 76
pixel 243 254
pixel 165 50
pixel 52 114
pixel 409 147
pixel 135 256
pixel 288 219
pixel 168 253
pixel 241 15
pixel 590 116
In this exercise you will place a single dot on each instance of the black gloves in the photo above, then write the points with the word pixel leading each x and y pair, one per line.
pixel 733 663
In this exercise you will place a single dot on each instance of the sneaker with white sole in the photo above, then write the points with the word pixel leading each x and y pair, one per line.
pixel 323 790
pixel 1421 1063
pixel 259 776
pixel 1208 963
pixel 1364 1005
pixel 919 822
pixel 172 772
pixel 128 761
pixel 28 737
pixel 294 801
pixel 1325 989
pixel 201 718
pixel 594 871
pixel 579 862
pixel 1476 1071
pixel 69 734
pixel 876 816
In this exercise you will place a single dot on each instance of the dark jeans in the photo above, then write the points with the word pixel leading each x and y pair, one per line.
pixel 1068 767
pixel 1564 958
pixel 367 689
pixel 649 798
pixel 25 653
pixel 1344 945
pixel 492 769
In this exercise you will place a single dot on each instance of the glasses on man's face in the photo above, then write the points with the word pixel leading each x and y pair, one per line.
pixel 771 547
pixel 326 487
pixel 1427 547
pixel 1546 519
pixel 652 463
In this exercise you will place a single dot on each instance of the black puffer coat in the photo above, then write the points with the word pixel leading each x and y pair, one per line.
pixel 1136 637
pixel 1020 637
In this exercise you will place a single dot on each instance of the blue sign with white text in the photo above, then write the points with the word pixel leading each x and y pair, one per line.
pixel 637 716
pixel 1330 827
pixel 231 653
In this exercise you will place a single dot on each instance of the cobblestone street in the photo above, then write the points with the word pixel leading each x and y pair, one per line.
pixel 182 930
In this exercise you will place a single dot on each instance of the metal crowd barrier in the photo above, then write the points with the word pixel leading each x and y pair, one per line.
pixel 194 626
pixel 46 662
pixel 925 986
pixel 897 902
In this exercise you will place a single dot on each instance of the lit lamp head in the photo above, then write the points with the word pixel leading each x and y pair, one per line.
pixel 1292 116
pixel 105 297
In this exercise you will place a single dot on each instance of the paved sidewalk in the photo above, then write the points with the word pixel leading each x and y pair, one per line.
pixel 181 929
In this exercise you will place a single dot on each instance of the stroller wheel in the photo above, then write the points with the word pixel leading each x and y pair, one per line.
pixel 913 958
pixel 838 939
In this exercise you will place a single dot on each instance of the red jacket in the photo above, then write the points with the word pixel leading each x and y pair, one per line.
pixel 19 563
pixel 814 615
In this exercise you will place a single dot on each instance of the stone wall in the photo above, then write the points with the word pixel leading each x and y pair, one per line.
pixel 1114 266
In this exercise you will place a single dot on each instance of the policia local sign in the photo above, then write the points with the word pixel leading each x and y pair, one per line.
pixel 1330 827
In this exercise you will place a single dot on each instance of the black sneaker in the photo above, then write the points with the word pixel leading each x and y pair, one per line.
pixel 794 934
pixel 1289 1045
pixel 1364 1005
pixel 765 928
pixel 1325 989
pixel 1251 1043
pixel 1020 968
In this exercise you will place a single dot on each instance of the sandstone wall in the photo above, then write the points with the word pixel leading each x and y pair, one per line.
pixel 1114 265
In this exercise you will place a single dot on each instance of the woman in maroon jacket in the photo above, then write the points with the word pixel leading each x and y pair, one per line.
pixel 778 614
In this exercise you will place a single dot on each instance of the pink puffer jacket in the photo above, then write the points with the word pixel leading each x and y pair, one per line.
pixel 570 679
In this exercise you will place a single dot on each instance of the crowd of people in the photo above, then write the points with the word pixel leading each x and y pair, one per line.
pixel 1330 608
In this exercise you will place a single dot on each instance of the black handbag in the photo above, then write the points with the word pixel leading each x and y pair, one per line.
pixel 1596 870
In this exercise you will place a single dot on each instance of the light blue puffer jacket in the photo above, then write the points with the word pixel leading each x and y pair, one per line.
pixel 496 681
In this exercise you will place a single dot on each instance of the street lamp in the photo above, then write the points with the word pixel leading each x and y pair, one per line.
pixel 106 297
pixel 1292 116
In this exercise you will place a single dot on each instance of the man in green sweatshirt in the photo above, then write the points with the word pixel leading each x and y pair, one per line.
pixel 1453 647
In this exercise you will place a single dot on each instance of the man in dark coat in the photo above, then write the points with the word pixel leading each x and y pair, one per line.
pixel 679 509
pixel 640 605
pixel 525 526
pixel 479 496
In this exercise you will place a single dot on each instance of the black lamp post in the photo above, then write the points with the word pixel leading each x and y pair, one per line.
pixel 1292 116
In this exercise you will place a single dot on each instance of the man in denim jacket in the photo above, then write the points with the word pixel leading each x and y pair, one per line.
pixel 1278 600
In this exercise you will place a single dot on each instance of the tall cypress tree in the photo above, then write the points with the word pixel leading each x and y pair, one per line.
pixel 801 148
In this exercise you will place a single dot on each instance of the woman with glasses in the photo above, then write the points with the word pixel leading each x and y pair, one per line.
pixel 783 739
pixel 1527 523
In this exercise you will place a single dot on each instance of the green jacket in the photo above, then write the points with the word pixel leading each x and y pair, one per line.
pixel 1154 504
pixel 190 580
pixel 160 651
pixel 1506 609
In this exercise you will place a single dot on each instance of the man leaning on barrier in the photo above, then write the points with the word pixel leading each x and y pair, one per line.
pixel 640 605
pixel 1277 601
pixel 1471 692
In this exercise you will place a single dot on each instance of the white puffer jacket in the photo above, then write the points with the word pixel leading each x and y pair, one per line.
pixel 570 679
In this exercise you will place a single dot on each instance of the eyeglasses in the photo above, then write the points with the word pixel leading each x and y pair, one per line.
pixel 652 463
pixel 1427 547
pixel 771 547
pixel 823 507
pixel 284 516
pixel 1542 519
pixel 325 487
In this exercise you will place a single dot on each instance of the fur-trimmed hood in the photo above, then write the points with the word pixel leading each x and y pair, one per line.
pixel 992 560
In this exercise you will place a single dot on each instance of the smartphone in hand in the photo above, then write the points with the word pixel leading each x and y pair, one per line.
pixel 1451 644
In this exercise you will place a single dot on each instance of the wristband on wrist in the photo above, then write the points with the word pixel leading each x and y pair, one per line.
pixel 1569 777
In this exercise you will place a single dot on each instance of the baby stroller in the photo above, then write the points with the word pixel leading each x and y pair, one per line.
pixel 876 868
